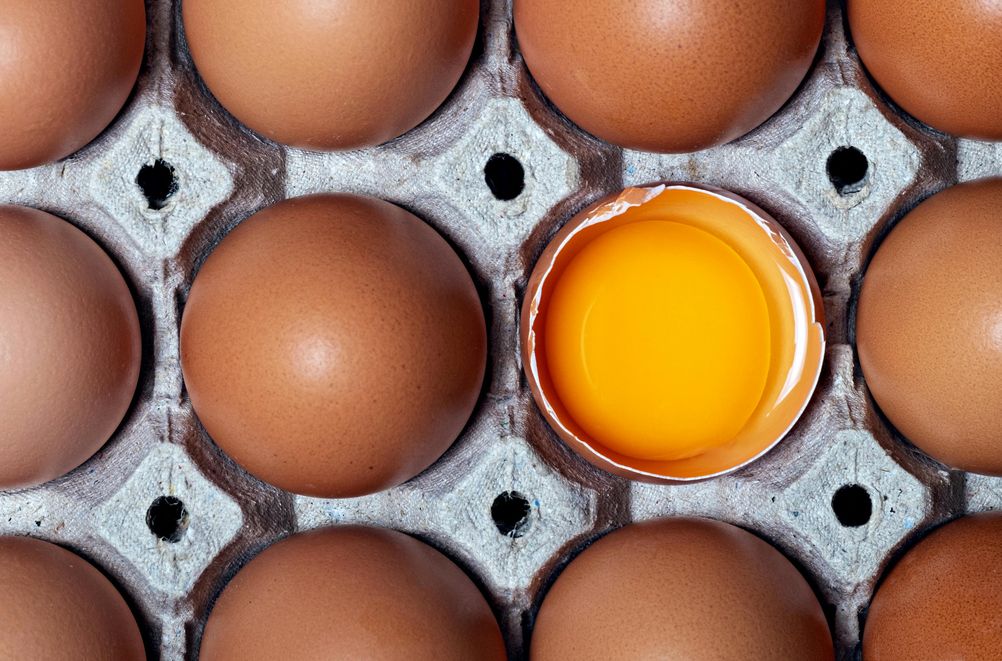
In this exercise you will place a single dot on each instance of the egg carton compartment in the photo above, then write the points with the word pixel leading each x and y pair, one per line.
pixel 497 171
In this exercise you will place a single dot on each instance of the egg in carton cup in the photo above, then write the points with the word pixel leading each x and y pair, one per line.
pixel 168 510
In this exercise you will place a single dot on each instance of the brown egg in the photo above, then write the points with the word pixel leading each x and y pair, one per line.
pixel 69 347
pixel 56 606
pixel 351 593
pixel 334 74
pixel 66 69
pixel 333 345
pixel 669 76
pixel 943 599
pixel 690 589
pixel 940 60
pixel 929 326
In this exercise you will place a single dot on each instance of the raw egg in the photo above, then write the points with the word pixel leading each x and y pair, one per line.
pixel 929 326
pixel 333 345
pixel 686 589
pixel 331 74
pixel 69 347
pixel 57 606
pixel 672 332
pixel 66 69
pixel 351 593
pixel 669 76
pixel 939 60
pixel 943 599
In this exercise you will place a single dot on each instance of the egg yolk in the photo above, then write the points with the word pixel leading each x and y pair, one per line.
pixel 657 340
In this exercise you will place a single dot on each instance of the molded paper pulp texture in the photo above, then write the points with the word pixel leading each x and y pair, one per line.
pixel 224 173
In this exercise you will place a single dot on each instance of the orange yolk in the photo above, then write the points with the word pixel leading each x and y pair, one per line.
pixel 657 340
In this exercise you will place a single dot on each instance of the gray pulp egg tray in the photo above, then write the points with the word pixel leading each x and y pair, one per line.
pixel 211 174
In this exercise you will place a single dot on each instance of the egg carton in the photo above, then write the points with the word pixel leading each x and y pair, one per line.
pixel 171 518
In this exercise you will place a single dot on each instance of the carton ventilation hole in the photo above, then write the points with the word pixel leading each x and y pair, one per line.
pixel 167 518
pixel 505 176
pixel 510 512
pixel 157 182
pixel 847 169
pixel 852 506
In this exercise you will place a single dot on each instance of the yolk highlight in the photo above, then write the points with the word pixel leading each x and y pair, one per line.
pixel 657 340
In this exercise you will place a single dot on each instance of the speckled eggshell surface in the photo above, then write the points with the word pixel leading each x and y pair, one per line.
pixel 333 345
pixel 669 76
pixel 681 589
pixel 331 74
pixel 940 60
pixel 352 593
pixel 55 606
pixel 66 69
pixel 929 326
pixel 943 600
pixel 70 347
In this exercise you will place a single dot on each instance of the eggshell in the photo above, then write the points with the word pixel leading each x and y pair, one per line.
pixel 929 326
pixel 943 599
pixel 58 607
pixel 682 589
pixel 795 326
pixel 66 69
pixel 69 347
pixel 333 345
pixel 351 593
pixel 331 74
pixel 940 60
pixel 669 76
